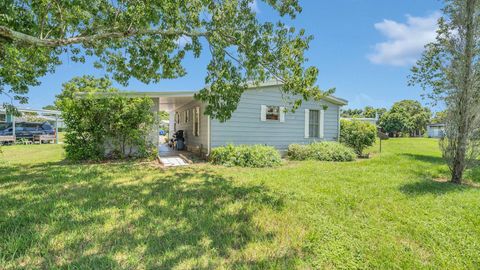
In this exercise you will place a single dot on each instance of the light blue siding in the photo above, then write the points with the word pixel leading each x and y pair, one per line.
pixel 246 127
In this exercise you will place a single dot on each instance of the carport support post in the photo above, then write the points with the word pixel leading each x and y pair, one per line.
pixel 56 129
pixel 13 128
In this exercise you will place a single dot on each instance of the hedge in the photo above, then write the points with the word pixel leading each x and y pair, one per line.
pixel 255 156
pixel 323 151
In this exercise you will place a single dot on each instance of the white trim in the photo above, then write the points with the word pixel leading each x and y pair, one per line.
pixel 338 121
pixel 282 114
pixel 322 123
pixel 14 134
pixel 307 123
pixel 208 135
pixel 199 120
pixel 263 113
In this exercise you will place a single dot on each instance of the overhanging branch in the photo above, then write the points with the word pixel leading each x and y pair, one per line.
pixel 9 35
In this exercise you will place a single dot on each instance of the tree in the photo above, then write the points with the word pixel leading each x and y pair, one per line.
pixel 449 71
pixel 104 124
pixel 440 117
pixel 163 115
pixel 406 116
pixel 380 112
pixel 50 107
pixel 393 123
pixel 369 112
pixel 132 39
pixel 352 113
pixel 357 135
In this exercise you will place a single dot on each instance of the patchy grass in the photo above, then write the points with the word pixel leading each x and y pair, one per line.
pixel 385 212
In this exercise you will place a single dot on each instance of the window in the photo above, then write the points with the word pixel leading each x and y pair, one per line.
pixel 196 121
pixel 186 115
pixel 314 124
pixel 3 118
pixel 273 113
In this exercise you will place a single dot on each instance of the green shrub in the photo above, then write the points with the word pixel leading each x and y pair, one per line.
pixel 102 124
pixel 324 151
pixel 357 135
pixel 255 156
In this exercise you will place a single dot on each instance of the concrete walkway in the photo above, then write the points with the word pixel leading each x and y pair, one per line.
pixel 171 158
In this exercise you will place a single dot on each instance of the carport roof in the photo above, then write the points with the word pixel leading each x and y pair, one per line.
pixel 180 98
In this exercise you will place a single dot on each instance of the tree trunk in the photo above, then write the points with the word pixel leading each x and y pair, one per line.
pixel 458 162
pixel 461 140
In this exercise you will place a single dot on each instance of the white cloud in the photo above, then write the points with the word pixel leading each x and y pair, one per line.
pixel 405 41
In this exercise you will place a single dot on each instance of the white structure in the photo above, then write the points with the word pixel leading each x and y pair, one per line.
pixel 260 118
pixel 48 115
pixel 436 130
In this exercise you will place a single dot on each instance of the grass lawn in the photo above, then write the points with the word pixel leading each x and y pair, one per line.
pixel 385 212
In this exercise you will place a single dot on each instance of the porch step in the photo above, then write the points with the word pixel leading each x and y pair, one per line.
pixel 173 161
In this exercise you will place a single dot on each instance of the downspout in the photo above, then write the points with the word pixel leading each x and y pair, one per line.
pixel 13 128
pixel 56 128
pixel 338 131
pixel 208 135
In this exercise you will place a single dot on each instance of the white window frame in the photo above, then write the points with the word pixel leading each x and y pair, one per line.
pixel 321 127
pixel 314 128
pixel 196 120
pixel 264 113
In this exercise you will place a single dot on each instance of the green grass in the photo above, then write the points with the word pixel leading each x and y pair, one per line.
pixel 385 212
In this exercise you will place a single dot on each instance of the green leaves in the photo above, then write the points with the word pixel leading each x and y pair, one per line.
pixel 133 39
pixel 102 123
pixel 407 116
pixel 358 135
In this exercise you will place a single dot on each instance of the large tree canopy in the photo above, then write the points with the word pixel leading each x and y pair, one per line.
pixel 407 116
pixel 141 39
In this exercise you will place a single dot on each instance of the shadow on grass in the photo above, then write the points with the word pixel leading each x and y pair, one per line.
pixel 424 158
pixel 427 185
pixel 109 210
pixel 432 187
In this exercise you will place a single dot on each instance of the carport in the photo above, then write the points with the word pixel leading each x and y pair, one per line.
pixel 48 115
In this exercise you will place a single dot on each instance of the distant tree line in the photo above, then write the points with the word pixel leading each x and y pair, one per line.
pixel 367 112
pixel 404 118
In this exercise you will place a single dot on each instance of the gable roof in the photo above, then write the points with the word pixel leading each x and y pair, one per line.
pixel 330 98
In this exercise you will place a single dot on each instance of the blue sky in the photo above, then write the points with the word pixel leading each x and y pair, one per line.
pixel 364 48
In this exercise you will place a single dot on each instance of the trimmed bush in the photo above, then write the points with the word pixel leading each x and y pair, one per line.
pixel 323 151
pixel 358 135
pixel 103 124
pixel 255 156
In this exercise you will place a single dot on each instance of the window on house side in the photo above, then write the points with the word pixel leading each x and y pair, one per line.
pixel 273 113
pixel 314 124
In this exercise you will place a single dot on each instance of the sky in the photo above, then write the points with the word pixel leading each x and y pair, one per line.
pixel 363 48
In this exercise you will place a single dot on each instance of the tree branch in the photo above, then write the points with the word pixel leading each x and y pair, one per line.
pixel 9 35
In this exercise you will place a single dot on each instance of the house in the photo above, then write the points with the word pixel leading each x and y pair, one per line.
pixel 260 118
pixel 436 130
